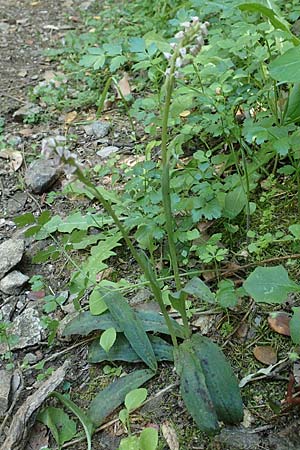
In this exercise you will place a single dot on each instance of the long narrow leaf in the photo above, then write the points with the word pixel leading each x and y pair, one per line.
pixel 86 422
pixel 132 327
pixel 114 395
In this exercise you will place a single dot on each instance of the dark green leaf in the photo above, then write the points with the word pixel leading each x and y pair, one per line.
pixel 122 351
pixel 85 323
pixel 235 202
pixel 286 67
pixel 62 427
pixel 270 285
pixel 114 395
pixel 132 326
pixel 197 288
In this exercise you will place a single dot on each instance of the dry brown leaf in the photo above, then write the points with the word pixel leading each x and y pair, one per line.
pixel 170 435
pixel 265 354
pixel 280 322
pixel 124 86
pixel 185 113
pixel 15 158
pixel 70 116
pixel 26 132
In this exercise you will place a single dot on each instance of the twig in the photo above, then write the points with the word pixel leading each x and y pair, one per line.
pixel 259 263
pixel 13 404
pixel 111 422
pixel 3 94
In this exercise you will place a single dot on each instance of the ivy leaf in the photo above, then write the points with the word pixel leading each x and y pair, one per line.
pixel 295 326
pixel 270 285
pixel 108 338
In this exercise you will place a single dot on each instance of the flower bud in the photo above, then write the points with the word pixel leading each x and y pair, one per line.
pixel 179 35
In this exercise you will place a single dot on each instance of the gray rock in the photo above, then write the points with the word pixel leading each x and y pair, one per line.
pixel 98 129
pixel 4 27
pixel 13 282
pixel 30 109
pixel 239 439
pixel 27 326
pixel 16 203
pixel 85 5
pixel 287 439
pixel 11 252
pixel 41 175
pixel 107 151
pixel 5 386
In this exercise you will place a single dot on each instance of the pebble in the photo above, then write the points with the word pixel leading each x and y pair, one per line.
pixel 13 282
pixel 11 252
pixel 99 129
pixel 41 175
pixel 107 151
pixel 5 386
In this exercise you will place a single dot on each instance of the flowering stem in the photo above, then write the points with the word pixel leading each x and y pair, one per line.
pixel 165 186
pixel 140 258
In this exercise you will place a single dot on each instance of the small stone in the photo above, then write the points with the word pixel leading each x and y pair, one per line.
pixel 85 5
pixel 16 203
pixel 27 326
pixel 239 439
pixel 4 27
pixel 30 109
pixel 31 358
pixel 41 175
pixel 13 282
pixel 98 129
pixel 11 252
pixel 107 151
pixel 5 386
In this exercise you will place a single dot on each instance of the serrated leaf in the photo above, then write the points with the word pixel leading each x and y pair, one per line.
pixel 114 395
pixel 135 398
pixel 295 325
pixel 270 285
pixel 85 323
pixel 122 350
pixel 96 303
pixel 62 427
pixel 107 339
pixel 132 327
pixel 84 419
pixel 197 288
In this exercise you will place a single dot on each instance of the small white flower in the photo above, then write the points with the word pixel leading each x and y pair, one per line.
pixel 182 51
pixel 178 62
pixel 195 20
pixel 179 35
pixel 167 55
pixel 195 49
pixel 186 25
pixel 168 71
pixel 200 40
pixel 173 45
pixel 203 28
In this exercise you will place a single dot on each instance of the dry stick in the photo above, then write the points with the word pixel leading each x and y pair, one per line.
pixel 63 352
pixel 111 422
pixel 259 263
pixel 13 404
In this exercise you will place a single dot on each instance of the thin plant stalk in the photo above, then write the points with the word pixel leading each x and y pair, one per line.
pixel 165 185
pixel 140 259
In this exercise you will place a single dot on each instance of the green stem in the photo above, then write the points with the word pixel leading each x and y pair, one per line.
pixel 165 186
pixel 140 259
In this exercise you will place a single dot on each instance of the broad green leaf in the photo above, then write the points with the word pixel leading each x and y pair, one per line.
pixel 137 45
pixel 62 427
pixel 24 219
pixel 226 295
pixel 276 21
pixel 295 230
pixel 114 395
pixel 149 439
pixel 96 303
pixel 286 67
pixel 122 350
pixel 135 398
pixel 293 110
pixel 95 58
pixel 131 325
pixel 80 414
pixel 123 416
pixel 85 323
pixel 107 339
pixel 177 300
pixel 198 289
pixel 295 325
pixel 235 202
pixel 270 285
pixel 130 443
